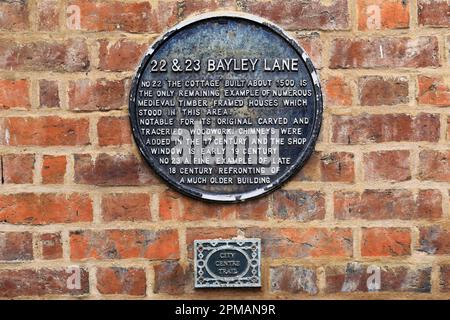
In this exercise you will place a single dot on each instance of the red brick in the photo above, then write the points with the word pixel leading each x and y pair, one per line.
pixel 53 169
pixel 48 94
pixel 254 209
pixel 128 17
pixel 18 168
pixel 377 128
pixel 337 92
pixel 354 278
pixel 376 91
pixel 174 206
pixel 313 47
pixel 170 278
pixel 293 279
pixel 46 131
pixel 16 246
pixel 97 95
pixel 329 167
pixel 116 280
pixel 445 277
pixel 14 15
pixel 198 6
pixel 113 131
pixel 126 207
pixel 311 15
pixel 41 282
pixel 387 165
pixel 434 91
pixel 434 13
pixel 48 15
pixel 435 239
pixel 121 55
pixel 434 165
pixel 45 208
pixel 388 204
pixel 298 205
pixel 112 170
pixel 14 94
pixel 448 128
pixel 386 52
pixel 206 234
pixel 51 246
pixel 70 55
pixel 385 242
pixel 300 243
pixel 124 244
pixel 382 14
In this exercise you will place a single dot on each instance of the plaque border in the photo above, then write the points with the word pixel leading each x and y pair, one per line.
pixel 232 283
pixel 300 161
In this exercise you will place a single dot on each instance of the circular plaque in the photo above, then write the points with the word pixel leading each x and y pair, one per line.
pixel 225 107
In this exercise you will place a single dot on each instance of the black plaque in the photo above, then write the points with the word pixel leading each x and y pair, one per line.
pixel 227 263
pixel 226 108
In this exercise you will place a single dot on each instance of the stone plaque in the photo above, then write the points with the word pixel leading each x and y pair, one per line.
pixel 227 263
pixel 226 108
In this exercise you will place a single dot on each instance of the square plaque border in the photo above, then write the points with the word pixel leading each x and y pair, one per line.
pixel 232 283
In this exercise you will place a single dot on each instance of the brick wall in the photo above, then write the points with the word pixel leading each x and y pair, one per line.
pixel 77 199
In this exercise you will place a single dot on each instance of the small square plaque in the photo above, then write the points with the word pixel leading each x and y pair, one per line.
pixel 231 263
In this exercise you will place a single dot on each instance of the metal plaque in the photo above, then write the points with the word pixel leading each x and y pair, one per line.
pixel 225 107
pixel 227 263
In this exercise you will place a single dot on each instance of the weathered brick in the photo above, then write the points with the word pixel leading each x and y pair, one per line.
pixel 435 239
pixel 170 278
pixel 337 92
pixel 124 244
pixel 14 94
pixel 70 55
pixel 129 17
pixel 386 242
pixel 113 131
pixel 434 13
pixel 293 279
pixel 392 165
pixel 126 207
pixel 16 246
pixel 434 91
pixel 434 165
pixel 386 52
pixel 383 14
pixel 173 205
pixel 375 91
pixel 311 15
pixel 254 209
pixel 45 208
pixel 41 282
pixel 387 204
pixel 53 169
pixel 18 168
pixel 96 95
pixel 377 128
pixel 445 277
pixel 298 205
pixel 14 15
pixel 116 280
pixel 300 243
pixel 112 170
pixel 313 46
pixel 46 131
pixel 121 55
pixel 192 7
pixel 51 246
pixel 48 94
pixel 356 277
pixel 48 15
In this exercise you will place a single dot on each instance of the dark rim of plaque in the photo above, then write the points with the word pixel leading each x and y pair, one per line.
pixel 295 167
